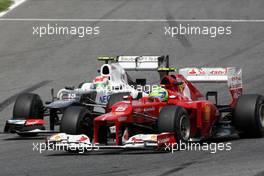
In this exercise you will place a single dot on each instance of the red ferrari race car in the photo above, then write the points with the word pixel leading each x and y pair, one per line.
pixel 178 112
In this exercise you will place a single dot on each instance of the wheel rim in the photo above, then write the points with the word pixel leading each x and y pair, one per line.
pixel 261 114
pixel 185 127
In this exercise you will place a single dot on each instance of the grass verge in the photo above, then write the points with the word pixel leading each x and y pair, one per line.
pixel 4 4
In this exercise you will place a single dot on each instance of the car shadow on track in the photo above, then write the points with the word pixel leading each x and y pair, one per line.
pixel 119 152
pixel 132 152
pixel 19 138
pixel 224 139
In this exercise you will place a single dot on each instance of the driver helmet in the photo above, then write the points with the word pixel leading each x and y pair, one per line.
pixel 160 93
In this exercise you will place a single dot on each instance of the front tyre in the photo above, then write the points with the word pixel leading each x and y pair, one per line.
pixel 28 105
pixel 249 116
pixel 77 120
pixel 175 119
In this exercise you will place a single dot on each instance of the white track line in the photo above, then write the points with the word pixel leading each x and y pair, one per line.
pixel 14 5
pixel 131 20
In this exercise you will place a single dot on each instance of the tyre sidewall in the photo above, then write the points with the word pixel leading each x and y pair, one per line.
pixel 28 106
pixel 170 119
pixel 71 119
pixel 247 117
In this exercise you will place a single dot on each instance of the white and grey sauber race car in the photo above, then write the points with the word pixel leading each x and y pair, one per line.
pixel 109 87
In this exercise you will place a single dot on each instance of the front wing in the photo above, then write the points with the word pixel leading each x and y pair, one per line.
pixel 62 141
pixel 24 127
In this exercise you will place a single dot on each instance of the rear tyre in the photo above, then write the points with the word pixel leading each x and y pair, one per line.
pixel 28 105
pixel 249 116
pixel 175 119
pixel 77 120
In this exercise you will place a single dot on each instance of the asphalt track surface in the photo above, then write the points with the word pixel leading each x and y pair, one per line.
pixel 30 63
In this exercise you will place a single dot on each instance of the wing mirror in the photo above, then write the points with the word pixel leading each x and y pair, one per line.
pixel 128 97
pixel 69 87
pixel 141 82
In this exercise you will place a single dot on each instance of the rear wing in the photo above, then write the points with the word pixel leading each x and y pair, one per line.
pixel 138 63
pixel 141 63
pixel 230 75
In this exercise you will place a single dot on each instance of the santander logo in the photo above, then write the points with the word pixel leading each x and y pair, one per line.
pixel 192 72
pixel 196 71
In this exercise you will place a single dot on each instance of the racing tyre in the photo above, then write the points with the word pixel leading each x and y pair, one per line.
pixel 114 98
pixel 28 105
pixel 249 116
pixel 77 120
pixel 175 119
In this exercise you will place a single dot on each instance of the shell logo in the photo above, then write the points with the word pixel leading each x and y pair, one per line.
pixel 181 88
pixel 207 113
pixel 153 137
pixel 57 137
pixel 160 109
